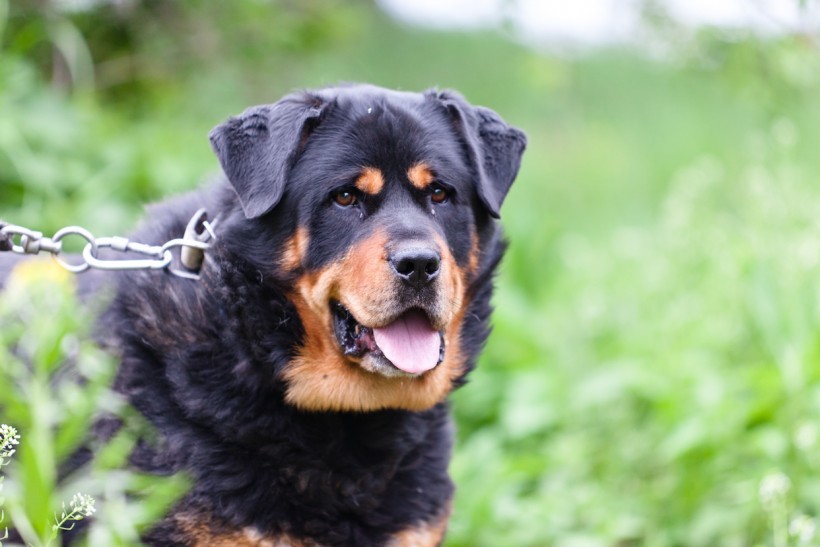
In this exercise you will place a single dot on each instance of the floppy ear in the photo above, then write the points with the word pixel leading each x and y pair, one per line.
pixel 494 148
pixel 258 148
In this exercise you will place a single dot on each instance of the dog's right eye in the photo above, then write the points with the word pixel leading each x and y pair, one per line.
pixel 344 198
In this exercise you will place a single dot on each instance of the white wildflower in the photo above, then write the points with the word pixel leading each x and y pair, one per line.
pixel 8 439
pixel 803 528
pixel 82 505
pixel 773 489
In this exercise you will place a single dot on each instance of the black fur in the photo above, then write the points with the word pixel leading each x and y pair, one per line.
pixel 203 360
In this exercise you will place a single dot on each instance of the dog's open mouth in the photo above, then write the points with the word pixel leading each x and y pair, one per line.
pixel 409 343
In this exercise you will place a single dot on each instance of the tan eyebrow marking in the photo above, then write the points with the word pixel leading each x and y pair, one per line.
pixel 420 176
pixel 371 181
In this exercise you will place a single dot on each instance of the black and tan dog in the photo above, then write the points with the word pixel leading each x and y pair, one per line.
pixel 302 382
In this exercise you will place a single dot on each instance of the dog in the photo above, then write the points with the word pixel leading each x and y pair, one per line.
pixel 301 382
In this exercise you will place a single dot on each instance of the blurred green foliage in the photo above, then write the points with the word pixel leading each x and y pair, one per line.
pixel 656 353
pixel 54 387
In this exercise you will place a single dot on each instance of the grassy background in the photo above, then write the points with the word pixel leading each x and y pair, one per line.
pixel 656 353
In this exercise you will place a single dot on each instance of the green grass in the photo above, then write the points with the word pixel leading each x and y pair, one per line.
pixel 656 352
pixel 666 371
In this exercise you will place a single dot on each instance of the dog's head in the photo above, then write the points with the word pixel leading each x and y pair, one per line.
pixel 377 208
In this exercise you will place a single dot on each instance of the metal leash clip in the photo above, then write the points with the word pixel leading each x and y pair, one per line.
pixel 194 243
pixel 160 260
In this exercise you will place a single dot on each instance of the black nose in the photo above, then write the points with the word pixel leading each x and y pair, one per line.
pixel 416 266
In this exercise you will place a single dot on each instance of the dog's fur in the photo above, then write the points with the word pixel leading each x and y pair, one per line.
pixel 292 433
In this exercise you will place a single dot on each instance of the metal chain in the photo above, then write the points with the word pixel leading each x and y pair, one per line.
pixel 195 241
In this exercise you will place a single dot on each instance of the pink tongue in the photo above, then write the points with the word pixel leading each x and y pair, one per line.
pixel 410 342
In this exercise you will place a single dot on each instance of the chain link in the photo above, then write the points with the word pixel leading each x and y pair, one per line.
pixel 195 241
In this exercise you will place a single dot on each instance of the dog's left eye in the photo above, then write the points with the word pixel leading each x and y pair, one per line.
pixel 438 194
pixel 344 198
